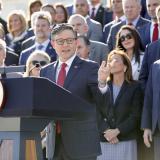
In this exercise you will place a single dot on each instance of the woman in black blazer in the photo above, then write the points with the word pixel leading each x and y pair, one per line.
pixel 120 110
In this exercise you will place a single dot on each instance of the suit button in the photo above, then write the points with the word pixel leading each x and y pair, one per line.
pixel 113 119
pixel 105 119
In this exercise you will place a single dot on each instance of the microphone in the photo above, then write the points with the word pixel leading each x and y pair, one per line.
pixel 37 65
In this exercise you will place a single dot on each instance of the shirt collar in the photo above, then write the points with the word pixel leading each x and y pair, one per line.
pixel 68 62
pixel 134 22
pixel 122 18
pixel 45 43
pixel 96 7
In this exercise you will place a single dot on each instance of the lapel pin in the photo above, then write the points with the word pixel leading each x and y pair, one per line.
pixel 75 67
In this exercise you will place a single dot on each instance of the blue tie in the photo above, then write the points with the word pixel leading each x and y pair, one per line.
pixel 40 46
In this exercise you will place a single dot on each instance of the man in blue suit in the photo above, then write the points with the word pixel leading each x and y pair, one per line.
pixel 151 110
pixel 147 31
pixel 131 10
pixel 75 140
pixel 119 16
pixel 96 11
pixel 41 27
pixel 152 53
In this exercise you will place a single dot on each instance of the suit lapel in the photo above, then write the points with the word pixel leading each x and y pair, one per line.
pixel 121 92
pixel 49 48
pixel 92 51
pixel 74 69
pixel 99 12
pixel 111 89
pixel 147 33
pixel 140 23
pixel 52 71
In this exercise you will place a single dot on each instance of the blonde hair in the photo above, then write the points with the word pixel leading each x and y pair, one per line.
pixel 20 14
pixel 36 53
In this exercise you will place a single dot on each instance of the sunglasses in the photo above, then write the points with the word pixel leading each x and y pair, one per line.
pixel 42 63
pixel 126 37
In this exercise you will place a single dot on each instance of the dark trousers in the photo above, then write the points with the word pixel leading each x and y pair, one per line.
pixel 60 153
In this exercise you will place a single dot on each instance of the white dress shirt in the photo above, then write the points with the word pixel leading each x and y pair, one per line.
pixel 68 62
pixel 96 9
pixel 45 44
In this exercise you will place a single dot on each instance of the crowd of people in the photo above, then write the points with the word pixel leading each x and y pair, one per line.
pixel 108 56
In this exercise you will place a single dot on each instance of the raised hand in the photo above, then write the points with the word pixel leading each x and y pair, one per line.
pixel 103 72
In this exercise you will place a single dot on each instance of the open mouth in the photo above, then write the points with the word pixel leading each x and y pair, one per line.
pixel 66 50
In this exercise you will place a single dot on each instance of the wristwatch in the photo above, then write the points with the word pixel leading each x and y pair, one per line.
pixel 101 84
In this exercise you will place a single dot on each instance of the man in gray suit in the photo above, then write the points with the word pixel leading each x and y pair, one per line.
pixel 132 10
pixel 95 28
pixel 151 110
pixel 98 50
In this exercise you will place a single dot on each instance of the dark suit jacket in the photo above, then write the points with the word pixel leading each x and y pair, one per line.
pixel 16 45
pixel 28 43
pixel 11 57
pixel 144 32
pixel 152 53
pixel 80 138
pixel 26 53
pixel 115 28
pixel 4 24
pixel 106 30
pixel 108 16
pixel 151 112
pixel 144 12
pixel 125 113
pixel 69 9
pixel 100 15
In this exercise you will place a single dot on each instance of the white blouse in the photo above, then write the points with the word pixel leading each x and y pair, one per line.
pixel 136 67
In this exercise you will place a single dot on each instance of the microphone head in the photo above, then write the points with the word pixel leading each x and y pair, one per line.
pixel 37 65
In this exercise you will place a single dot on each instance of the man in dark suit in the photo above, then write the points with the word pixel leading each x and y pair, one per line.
pixel 152 53
pixel 41 40
pixel 78 140
pixel 150 116
pixel 148 31
pixel 98 50
pixel 132 10
pixel 119 16
pixel 95 28
pixel 96 11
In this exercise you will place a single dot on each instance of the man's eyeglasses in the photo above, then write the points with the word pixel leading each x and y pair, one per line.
pixel 126 37
pixel 42 63
pixel 68 41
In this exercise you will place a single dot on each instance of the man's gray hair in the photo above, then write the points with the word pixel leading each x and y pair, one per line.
pixel 138 1
pixel 76 16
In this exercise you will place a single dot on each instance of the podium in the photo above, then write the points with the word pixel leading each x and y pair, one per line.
pixel 31 103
